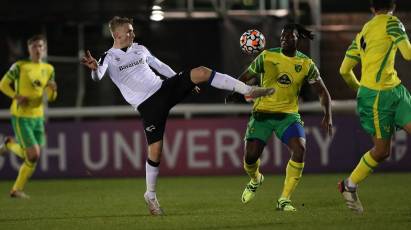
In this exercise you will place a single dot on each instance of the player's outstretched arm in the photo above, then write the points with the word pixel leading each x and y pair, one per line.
pixel 97 69
pixel 89 61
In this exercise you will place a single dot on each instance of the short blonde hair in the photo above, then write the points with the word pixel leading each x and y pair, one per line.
pixel 117 21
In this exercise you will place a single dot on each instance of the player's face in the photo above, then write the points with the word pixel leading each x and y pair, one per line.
pixel 289 39
pixel 37 50
pixel 125 34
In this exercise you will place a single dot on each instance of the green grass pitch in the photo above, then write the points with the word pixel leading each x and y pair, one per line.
pixel 205 203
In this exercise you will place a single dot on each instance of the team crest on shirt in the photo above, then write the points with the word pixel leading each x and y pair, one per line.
pixel 298 68
pixel 284 80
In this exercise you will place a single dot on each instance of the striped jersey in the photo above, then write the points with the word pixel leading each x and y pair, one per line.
pixel 30 80
pixel 286 75
pixel 375 46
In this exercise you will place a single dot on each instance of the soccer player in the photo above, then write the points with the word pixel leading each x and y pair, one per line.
pixel 383 103
pixel 129 67
pixel 25 83
pixel 285 69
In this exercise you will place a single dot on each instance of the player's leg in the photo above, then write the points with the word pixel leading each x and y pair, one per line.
pixel 294 137
pixel 26 170
pixel 11 145
pixel 253 151
pixel 30 132
pixel 368 162
pixel 223 81
pixel 152 171
pixel 259 130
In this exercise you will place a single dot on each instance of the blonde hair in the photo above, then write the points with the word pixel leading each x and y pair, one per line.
pixel 117 21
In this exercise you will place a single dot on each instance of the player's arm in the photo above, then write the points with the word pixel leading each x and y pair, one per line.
pixel 6 82
pixel 396 30
pixel 51 88
pixel 317 83
pixel 158 65
pixel 98 69
pixel 351 59
pixel 5 86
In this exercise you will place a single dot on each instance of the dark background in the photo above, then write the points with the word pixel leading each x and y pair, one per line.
pixel 181 43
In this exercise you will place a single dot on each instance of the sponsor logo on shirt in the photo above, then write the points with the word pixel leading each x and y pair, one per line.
pixel 134 63
pixel 284 80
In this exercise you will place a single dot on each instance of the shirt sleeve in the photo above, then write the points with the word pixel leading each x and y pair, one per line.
pixel 396 30
pixel 5 83
pixel 353 51
pixel 159 66
pixel 313 74
pixel 257 66
pixel 102 66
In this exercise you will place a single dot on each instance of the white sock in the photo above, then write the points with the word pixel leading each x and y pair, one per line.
pixel 224 81
pixel 351 184
pixel 151 179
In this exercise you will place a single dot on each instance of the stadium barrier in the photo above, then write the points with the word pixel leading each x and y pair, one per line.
pixel 198 146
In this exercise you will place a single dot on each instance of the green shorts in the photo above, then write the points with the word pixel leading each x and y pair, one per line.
pixel 29 131
pixel 382 111
pixel 262 125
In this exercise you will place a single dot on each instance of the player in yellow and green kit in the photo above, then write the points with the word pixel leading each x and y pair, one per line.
pixel 285 69
pixel 25 83
pixel 383 103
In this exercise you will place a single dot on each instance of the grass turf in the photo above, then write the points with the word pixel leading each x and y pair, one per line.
pixel 205 203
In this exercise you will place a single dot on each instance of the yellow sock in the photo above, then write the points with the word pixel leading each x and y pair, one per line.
pixel 294 172
pixel 16 149
pixel 25 172
pixel 364 168
pixel 252 170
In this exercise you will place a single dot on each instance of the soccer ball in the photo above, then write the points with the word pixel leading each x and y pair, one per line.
pixel 252 41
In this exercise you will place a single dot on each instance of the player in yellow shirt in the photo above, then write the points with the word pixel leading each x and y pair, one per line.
pixel 285 69
pixel 383 103
pixel 25 83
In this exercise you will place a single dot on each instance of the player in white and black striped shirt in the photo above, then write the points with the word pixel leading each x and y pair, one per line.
pixel 128 65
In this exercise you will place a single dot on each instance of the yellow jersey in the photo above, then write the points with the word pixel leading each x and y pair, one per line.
pixel 375 46
pixel 30 80
pixel 286 75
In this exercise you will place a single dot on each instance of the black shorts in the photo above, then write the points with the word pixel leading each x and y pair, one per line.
pixel 155 109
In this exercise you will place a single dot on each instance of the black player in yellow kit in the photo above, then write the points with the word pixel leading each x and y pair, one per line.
pixel 25 83
pixel 285 69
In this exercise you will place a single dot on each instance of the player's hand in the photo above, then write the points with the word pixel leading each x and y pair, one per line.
pixel 21 100
pixel 327 124
pixel 52 85
pixel 196 90
pixel 89 61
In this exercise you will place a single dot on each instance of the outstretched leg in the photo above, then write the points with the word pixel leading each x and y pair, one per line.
pixel 223 81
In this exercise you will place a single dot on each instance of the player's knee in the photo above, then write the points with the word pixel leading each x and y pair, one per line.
pixel 381 154
pixel 200 74
pixel 298 153
pixel 33 157
pixel 250 158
